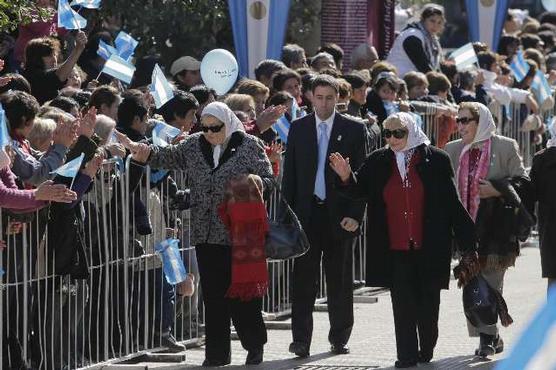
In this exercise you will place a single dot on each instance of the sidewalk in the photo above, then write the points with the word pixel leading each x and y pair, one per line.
pixel 373 345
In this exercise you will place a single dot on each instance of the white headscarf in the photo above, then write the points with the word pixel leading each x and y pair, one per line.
pixel 552 129
pixel 227 116
pixel 415 137
pixel 486 128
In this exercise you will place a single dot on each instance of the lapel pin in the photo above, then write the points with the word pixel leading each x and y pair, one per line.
pixel 339 138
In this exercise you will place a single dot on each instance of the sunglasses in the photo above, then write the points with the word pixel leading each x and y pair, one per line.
pixel 464 120
pixel 397 133
pixel 214 129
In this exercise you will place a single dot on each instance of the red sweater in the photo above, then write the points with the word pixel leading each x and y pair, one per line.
pixel 404 208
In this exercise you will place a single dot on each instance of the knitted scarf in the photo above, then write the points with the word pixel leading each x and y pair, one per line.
pixel 244 214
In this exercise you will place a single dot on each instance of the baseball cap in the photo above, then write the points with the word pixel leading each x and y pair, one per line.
pixel 185 63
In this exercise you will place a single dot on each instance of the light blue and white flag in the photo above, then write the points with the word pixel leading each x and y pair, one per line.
pixel 160 88
pixel 126 45
pixel 119 68
pixel 297 112
pixel 89 4
pixel 68 18
pixel 259 28
pixel 282 127
pixel 464 57
pixel 164 133
pixel 105 50
pixel 71 168
pixel 519 66
pixel 536 349
pixel 172 263
pixel 4 134
pixel 541 87
pixel 486 19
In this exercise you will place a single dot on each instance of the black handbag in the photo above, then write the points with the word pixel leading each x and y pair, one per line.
pixel 286 238
pixel 480 302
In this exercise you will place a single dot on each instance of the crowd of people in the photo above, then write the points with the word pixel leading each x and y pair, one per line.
pixel 358 146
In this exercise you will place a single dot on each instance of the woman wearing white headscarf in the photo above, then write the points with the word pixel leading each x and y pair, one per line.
pixel 543 178
pixel 489 173
pixel 210 158
pixel 414 213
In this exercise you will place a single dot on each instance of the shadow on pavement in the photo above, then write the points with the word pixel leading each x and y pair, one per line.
pixel 457 363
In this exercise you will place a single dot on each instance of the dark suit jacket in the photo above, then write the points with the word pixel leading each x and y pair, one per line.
pixel 300 168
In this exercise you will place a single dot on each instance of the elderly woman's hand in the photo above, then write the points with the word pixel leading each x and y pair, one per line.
pixel 50 192
pixel 88 122
pixel 116 149
pixel 139 152
pixel 66 133
pixel 340 166
pixel 92 167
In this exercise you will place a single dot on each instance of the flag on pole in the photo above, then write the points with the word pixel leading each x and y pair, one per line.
pixel 486 20
pixel 519 66
pixel 172 263
pixel 541 87
pixel 4 135
pixel 89 4
pixel 464 57
pixel 160 88
pixel 163 133
pixel 535 349
pixel 259 28
pixel 119 68
pixel 282 127
pixel 68 18
pixel 105 50
pixel 71 168
pixel 126 45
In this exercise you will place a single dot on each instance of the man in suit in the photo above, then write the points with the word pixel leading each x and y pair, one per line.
pixel 330 221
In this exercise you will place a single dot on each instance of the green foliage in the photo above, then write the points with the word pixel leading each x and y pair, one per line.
pixel 16 12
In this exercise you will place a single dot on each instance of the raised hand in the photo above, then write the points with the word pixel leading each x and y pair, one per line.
pixel 139 152
pixel 66 133
pixel 50 192
pixel 88 122
pixel 92 167
pixel 340 165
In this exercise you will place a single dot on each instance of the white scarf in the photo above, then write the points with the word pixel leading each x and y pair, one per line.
pixel 486 128
pixel 231 122
pixel 415 137
pixel 552 129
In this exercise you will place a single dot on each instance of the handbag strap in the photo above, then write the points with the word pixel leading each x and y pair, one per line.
pixel 286 210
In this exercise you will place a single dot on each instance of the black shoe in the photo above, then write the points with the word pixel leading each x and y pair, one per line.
pixel 498 344
pixel 167 340
pixel 339 349
pixel 486 346
pixel 300 349
pixel 254 357
pixel 404 364
pixel 215 362
pixel 424 357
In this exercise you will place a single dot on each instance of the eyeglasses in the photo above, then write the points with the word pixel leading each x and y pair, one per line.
pixel 214 129
pixel 397 133
pixel 464 120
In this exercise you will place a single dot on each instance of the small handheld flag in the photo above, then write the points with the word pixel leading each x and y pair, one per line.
pixel 163 133
pixel 4 135
pixel 519 66
pixel 71 168
pixel 105 50
pixel 126 45
pixel 119 68
pixel 160 88
pixel 282 127
pixel 89 4
pixel 541 87
pixel 172 263
pixel 464 57
pixel 68 18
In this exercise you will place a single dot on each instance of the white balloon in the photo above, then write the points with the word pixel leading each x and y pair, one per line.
pixel 219 70
pixel 549 5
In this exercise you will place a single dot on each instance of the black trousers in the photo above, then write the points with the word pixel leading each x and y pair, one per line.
pixel 215 269
pixel 337 259
pixel 415 302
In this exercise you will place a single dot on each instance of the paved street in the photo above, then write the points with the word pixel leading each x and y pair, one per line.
pixel 373 345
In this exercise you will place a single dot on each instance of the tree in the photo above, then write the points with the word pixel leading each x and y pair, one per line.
pixel 16 12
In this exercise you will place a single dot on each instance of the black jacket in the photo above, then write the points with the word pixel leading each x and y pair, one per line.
pixel 300 168
pixel 376 106
pixel 445 217
pixel 543 179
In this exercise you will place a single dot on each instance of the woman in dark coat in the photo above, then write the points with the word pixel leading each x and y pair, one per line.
pixel 414 213
pixel 543 178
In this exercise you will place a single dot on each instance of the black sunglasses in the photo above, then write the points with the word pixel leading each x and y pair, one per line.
pixel 464 120
pixel 214 129
pixel 398 133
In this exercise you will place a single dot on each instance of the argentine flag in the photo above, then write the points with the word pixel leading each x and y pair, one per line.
pixel 4 135
pixel 68 18
pixel 464 57
pixel 126 45
pixel 540 87
pixel 89 4
pixel 119 68
pixel 71 168
pixel 105 50
pixel 486 20
pixel 536 349
pixel 172 263
pixel 519 66
pixel 259 28
pixel 164 133
pixel 282 127
pixel 160 88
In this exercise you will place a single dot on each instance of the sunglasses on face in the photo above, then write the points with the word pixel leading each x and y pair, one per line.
pixel 214 129
pixel 464 120
pixel 397 133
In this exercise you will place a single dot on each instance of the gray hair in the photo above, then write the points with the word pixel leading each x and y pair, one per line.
pixel 467 78
pixel 104 126
pixel 43 128
pixel 292 53
pixel 363 52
